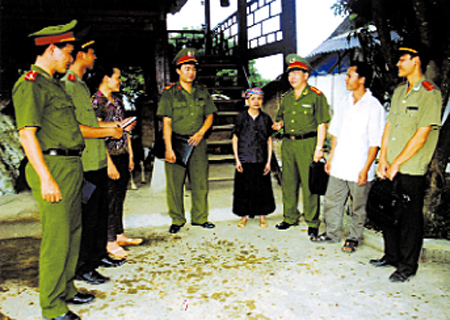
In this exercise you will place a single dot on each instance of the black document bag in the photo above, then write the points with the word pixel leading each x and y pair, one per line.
pixel 318 178
pixel 385 204
pixel 183 150
pixel 87 189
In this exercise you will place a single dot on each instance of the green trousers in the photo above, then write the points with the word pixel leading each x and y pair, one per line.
pixel 197 172
pixel 61 229
pixel 296 157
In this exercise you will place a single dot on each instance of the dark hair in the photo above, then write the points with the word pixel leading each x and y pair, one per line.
pixel 98 74
pixel 364 71
pixel 39 50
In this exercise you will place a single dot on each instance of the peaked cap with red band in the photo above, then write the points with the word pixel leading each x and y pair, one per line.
pixel 55 34
pixel 295 62
pixel 186 56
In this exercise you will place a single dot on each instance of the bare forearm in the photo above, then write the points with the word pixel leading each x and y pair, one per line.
pixel 321 135
pixel 371 154
pixel 207 124
pixel 269 149
pixel 167 132
pixel 97 133
pixel 234 143
pixel 33 152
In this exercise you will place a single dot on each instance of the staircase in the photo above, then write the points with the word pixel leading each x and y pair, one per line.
pixel 222 75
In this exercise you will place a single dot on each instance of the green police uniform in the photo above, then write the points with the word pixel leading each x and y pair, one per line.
pixel 420 107
pixel 188 112
pixel 41 102
pixel 301 117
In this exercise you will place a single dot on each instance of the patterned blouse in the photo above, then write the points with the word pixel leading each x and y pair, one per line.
pixel 107 111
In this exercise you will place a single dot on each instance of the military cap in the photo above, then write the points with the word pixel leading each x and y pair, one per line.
pixel 55 34
pixel 186 56
pixel 295 62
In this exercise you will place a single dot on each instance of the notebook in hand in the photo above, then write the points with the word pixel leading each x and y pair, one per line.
pixel 181 147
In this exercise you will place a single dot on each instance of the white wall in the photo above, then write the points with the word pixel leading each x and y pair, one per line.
pixel 333 86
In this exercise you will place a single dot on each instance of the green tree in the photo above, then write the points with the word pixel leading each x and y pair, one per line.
pixel 424 20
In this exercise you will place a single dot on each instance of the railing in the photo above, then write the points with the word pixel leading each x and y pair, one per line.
pixel 263 27
pixel 180 39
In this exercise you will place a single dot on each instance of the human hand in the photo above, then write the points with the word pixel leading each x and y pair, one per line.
pixel 383 167
pixel 277 125
pixel 131 165
pixel 318 154
pixel 328 166
pixel 195 139
pixel 266 169
pixel 392 171
pixel 362 178
pixel 238 166
pixel 130 126
pixel 170 156
pixel 50 190
pixel 112 172
pixel 116 132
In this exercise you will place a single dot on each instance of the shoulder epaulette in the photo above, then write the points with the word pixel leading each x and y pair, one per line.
pixel 170 86
pixel 31 75
pixel 428 85
pixel 71 77
pixel 317 91
pixel 283 94
pixel 401 84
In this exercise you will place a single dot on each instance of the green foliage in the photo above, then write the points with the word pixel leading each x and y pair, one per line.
pixel 255 79
pixel 133 83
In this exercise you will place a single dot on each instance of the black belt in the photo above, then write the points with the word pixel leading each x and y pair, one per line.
pixel 301 136
pixel 63 152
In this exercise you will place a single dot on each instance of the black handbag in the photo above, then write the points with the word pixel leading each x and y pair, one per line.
pixel 385 204
pixel 318 177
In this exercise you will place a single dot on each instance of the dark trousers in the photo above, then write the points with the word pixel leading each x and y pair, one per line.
pixel 117 189
pixel 402 245
pixel 94 223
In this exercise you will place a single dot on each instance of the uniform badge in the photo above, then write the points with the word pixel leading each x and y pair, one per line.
pixel 31 75
pixel 190 53
pixel 169 86
pixel 292 60
pixel 428 85
pixel 317 91
pixel 71 77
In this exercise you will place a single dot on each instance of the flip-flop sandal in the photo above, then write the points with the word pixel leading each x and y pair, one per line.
pixel 350 246
pixel 129 242
pixel 118 253
pixel 242 223
pixel 322 238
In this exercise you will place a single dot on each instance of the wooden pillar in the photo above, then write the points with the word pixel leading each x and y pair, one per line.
pixel 289 28
pixel 208 39
pixel 242 41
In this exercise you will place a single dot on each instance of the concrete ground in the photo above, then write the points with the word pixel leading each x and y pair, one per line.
pixel 224 273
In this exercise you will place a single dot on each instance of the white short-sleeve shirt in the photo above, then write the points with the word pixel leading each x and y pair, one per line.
pixel 357 127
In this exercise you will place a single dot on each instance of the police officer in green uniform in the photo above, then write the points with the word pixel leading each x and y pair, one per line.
pixel 53 142
pixel 304 115
pixel 409 140
pixel 187 109
pixel 95 211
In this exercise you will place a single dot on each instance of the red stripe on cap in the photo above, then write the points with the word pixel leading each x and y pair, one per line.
pixel 298 64
pixel 65 37
pixel 185 59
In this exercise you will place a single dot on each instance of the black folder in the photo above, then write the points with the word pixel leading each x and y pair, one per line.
pixel 183 150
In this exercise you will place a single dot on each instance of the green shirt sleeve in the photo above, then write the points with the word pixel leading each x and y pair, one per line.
pixel 430 110
pixel 322 109
pixel 165 108
pixel 29 103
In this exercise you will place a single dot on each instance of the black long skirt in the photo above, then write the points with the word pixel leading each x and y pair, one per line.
pixel 253 195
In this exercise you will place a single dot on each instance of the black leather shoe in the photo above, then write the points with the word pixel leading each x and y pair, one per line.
pixel 174 228
pixel 398 276
pixel 381 263
pixel 81 298
pixel 92 277
pixel 66 316
pixel 313 232
pixel 206 225
pixel 108 262
pixel 283 225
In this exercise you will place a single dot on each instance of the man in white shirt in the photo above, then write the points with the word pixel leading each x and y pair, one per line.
pixel 356 130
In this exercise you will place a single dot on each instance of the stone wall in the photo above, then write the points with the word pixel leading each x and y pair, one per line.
pixel 11 153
